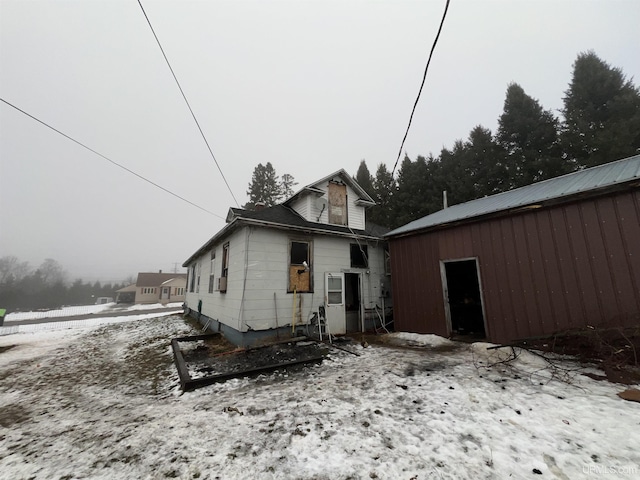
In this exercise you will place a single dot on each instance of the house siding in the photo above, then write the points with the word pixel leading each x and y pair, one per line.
pixel 223 307
pixel 552 269
pixel 267 260
pixel 303 207
pixel 306 206
pixel 355 213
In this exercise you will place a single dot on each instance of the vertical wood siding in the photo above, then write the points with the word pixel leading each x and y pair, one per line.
pixel 542 271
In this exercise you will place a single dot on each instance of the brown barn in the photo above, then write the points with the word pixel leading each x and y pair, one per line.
pixel 556 255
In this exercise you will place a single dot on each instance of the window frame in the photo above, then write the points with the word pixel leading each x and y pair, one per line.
pixel 361 252
pixel 224 267
pixel 292 267
pixel 192 278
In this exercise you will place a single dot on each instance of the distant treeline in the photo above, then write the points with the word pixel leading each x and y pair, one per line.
pixel 25 288
pixel 600 123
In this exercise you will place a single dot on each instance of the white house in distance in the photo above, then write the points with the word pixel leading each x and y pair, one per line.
pixel 271 270
pixel 160 287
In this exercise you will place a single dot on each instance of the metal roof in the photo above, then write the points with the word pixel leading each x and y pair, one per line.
pixel 583 181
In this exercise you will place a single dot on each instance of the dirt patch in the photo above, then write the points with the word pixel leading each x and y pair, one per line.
pixel 617 350
pixel 216 356
pixel 13 414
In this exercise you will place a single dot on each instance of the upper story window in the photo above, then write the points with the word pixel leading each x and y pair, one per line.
pixel 359 256
pixel 300 266
pixel 338 203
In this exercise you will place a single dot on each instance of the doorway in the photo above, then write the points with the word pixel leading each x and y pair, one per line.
pixel 463 297
pixel 352 301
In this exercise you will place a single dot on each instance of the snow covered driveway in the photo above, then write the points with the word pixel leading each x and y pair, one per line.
pixel 104 402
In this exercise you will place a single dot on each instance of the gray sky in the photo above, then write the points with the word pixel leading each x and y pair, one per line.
pixel 311 87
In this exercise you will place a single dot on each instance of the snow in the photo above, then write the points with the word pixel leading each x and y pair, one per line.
pixel 59 312
pixel 104 402
pixel 84 310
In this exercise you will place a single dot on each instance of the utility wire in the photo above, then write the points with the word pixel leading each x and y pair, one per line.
pixel 187 102
pixel 111 161
pixel 424 77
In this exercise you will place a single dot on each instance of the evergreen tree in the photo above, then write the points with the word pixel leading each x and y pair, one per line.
pixel 487 161
pixel 364 178
pixel 601 113
pixel 286 186
pixel 384 187
pixel 418 192
pixel 529 134
pixel 457 176
pixel 264 187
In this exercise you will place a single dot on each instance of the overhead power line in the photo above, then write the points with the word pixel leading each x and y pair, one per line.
pixel 111 161
pixel 424 77
pixel 187 102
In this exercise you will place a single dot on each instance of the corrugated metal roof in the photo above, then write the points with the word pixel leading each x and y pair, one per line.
pixel 590 179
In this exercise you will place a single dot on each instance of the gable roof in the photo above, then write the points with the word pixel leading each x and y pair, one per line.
pixel 591 181
pixel 282 217
pixel 128 288
pixel 156 279
pixel 363 197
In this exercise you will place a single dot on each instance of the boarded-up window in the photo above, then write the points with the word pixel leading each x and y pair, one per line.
pixel 338 204
pixel 299 266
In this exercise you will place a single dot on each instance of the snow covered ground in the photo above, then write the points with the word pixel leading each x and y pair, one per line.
pixel 104 402
pixel 84 310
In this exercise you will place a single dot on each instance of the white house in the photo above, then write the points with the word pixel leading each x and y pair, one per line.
pixel 160 287
pixel 273 269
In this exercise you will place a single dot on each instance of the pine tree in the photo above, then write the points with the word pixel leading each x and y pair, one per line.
pixel 601 113
pixel 384 187
pixel 486 163
pixel 419 190
pixel 529 134
pixel 264 187
pixel 286 186
pixel 364 178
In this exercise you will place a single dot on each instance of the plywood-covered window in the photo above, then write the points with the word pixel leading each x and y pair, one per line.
pixel 338 204
pixel 300 266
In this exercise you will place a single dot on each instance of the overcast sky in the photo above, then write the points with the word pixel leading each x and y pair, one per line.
pixel 311 87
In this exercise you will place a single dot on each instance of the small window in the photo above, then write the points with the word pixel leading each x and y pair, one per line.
pixel 359 256
pixel 387 260
pixel 299 266
pixel 225 260
pixel 198 280
pixel 211 279
pixel 224 273
pixel 334 290
pixel 192 278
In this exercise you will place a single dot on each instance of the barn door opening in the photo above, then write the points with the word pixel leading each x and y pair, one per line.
pixel 463 297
